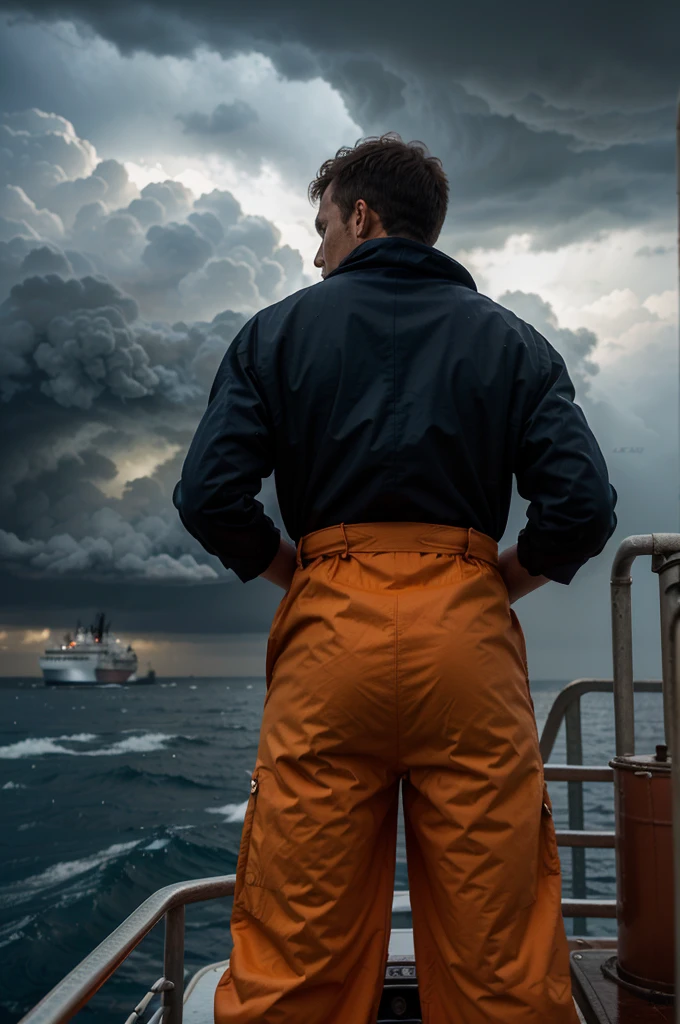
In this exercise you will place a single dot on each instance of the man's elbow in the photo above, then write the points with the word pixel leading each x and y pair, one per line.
pixel 601 523
pixel 190 505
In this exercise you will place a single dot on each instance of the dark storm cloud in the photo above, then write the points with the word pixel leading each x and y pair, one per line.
pixel 579 57
pixel 148 607
pixel 89 382
pixel 225 119
pixel 555 121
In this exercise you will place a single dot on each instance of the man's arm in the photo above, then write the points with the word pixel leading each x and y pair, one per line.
pixel 232 450
pixel 559 467
pixel 282 568
pixel 516 578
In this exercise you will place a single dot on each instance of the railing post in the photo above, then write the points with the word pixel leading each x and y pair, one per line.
pixel 668 569
pixel 572 721
pixel 622 639
pixel 173 968
pixel 674 739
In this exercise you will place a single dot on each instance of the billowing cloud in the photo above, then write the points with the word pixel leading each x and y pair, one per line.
pixel 102 397
pixel 566 132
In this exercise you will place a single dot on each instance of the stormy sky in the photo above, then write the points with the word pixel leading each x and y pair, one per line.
pixel 154 163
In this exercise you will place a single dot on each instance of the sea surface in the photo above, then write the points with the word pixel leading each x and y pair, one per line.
pixel 109 793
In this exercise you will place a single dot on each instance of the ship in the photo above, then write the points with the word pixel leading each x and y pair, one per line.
pixel 90 655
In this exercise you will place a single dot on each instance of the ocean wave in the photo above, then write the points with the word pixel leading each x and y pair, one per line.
pixel 157 844
pixel 14 785
pixel 60 873
pixel 14 930
pixel 127 774
pixel 231 812
pixel 39 746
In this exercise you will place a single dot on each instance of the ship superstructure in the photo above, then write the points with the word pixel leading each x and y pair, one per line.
pixel 90 655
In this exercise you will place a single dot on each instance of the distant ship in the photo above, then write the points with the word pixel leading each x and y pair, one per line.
pixel 90 656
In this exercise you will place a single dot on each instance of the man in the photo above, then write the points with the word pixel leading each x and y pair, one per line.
pixel 395 403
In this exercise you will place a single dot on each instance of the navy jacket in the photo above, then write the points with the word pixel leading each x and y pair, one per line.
pixel 393 390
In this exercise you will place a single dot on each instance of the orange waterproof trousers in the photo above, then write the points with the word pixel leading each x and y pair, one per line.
pixel 395 656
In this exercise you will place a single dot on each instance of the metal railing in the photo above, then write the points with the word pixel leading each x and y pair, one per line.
pixel 71 994
pixel 567 708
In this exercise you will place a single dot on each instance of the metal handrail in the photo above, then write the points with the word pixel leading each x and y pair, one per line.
pixel 573 692
pixel 567 707
pixel 73 991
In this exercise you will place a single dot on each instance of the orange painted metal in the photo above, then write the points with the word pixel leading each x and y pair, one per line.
pixel 644 850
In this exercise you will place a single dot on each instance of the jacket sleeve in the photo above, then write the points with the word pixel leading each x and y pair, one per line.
pixel 232 450
pixel 560 469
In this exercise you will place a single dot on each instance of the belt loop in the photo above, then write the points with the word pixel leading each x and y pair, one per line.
pixel 468 546
pixel 345 553
pixel 298 557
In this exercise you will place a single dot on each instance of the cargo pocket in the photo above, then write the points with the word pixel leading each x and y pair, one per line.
pixel 268 855
pixel 551 854
pixel 244 847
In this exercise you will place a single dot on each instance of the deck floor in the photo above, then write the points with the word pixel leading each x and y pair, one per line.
pixel 200 994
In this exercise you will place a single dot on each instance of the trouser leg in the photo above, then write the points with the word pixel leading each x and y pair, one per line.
pixel 484 869
pixel 488 930
pixel 315 876
pixel 311 916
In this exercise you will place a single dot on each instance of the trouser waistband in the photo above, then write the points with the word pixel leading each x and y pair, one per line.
pixel 387 536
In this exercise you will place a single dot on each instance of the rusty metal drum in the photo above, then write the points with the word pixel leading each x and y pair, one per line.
pixel 644 867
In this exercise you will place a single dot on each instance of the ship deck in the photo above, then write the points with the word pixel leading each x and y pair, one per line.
pixel 200 992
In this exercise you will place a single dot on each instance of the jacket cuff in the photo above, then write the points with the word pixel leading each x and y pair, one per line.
pixel 248 568
pixel 551 566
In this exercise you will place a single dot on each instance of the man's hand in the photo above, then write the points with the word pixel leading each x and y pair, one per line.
pixel 282 567
pixel 516 578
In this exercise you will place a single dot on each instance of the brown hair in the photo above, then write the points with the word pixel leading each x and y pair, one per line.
pixel 398 180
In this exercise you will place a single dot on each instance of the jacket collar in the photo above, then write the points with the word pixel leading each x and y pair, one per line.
pixel 395 251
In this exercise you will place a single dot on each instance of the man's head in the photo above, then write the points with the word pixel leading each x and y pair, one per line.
pixel 382 187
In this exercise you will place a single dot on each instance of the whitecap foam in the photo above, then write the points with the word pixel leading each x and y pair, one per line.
pixel 14 931
pixel 14 785
pixel 231 812
pixel 157 844
pixel 144 744
pixel 60 873
pixel 33 748
pixel 38 746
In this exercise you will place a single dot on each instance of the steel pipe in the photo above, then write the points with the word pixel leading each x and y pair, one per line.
pixel 622 638
pixel 173 965
pixel 573 692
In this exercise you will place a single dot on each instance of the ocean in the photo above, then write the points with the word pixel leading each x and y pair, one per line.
pixel 109 793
